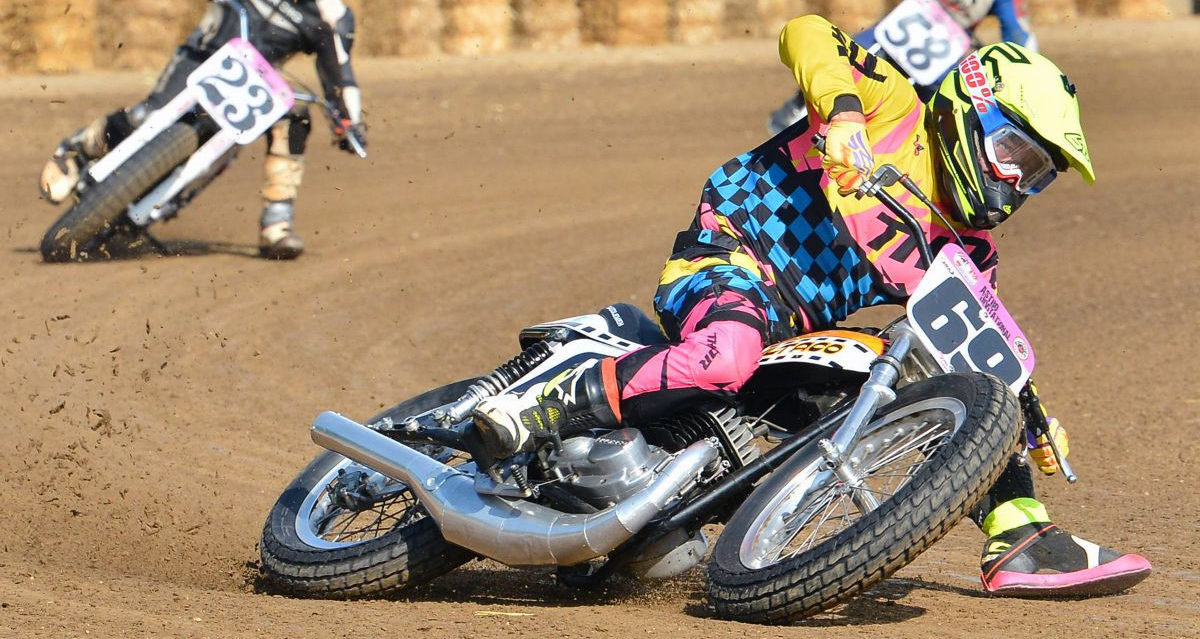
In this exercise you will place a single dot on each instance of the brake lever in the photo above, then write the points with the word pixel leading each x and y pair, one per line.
pixel 356 145
pixel 1036 415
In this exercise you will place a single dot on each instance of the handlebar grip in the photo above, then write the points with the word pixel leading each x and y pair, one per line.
pixel 818 141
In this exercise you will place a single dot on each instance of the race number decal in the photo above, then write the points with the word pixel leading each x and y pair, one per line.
pixel 241 91
pixel 922 39
pixel 845 350
pixel 962 322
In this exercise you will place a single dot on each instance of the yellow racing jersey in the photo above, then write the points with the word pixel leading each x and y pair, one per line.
pixel 827 254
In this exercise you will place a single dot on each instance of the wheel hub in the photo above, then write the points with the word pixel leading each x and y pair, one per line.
pixel 352 491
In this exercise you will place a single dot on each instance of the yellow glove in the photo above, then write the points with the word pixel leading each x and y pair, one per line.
pixel 1040 451
pixel 848 158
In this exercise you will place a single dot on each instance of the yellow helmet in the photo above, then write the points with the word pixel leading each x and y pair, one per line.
pixel 1004 122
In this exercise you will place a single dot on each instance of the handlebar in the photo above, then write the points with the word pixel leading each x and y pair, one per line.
pixel 243 17
pixel 334 116
pixel 887 175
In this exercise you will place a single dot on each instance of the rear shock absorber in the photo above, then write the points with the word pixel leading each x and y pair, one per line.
pixel 502 377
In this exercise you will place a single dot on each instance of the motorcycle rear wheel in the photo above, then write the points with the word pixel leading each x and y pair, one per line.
pixel 79 234
pixel 314 546
pixel 799 545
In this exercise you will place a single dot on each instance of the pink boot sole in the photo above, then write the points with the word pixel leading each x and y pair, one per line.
pixel 1110 578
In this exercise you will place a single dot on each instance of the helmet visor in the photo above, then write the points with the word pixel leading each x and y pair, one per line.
pixel 1018 159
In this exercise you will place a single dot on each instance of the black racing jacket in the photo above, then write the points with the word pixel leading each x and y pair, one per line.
pixel 280 29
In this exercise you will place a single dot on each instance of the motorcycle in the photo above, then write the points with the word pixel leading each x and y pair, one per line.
pixel 918 37
pixel 846 454
pixel 231 99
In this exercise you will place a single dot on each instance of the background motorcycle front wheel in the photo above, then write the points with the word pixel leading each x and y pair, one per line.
pixel 342 531
pixel 81 231
pixel 800 544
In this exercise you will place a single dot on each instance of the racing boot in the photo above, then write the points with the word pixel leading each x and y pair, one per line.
pixel 61 174
pixel 789 113
pixel 1028 556
pixel 282 176
pixel 278 241
pixel 584 395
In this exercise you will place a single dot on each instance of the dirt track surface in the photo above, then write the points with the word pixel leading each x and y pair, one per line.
pixel 154 408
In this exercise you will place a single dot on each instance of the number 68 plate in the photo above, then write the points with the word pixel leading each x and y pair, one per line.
pixel 241 90
pixel 962 322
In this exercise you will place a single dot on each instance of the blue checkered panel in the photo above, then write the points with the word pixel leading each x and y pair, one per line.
pixel 788 225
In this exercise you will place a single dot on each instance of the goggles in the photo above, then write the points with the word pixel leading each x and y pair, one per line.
pixel 1015 157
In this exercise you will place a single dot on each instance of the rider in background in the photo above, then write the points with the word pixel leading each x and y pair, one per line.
pixel 1014 27
pixel 279 29
pixel 779 246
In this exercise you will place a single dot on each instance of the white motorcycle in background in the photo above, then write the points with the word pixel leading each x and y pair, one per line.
pixel 231 99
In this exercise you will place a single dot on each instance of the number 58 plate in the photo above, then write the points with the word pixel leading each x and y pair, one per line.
pixel 962 322
pixel 922 39
pixel 241 90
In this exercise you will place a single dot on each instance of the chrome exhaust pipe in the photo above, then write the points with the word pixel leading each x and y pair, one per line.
pixel 512 531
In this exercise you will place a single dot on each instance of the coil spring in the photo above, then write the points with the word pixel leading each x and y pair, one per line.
pixel 515 368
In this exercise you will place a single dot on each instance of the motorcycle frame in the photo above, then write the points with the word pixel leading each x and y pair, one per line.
pixel 840 426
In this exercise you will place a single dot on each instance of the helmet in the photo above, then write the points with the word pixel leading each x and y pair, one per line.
pixel 1005 122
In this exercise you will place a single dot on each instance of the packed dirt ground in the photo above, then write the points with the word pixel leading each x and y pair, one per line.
pixel 154 408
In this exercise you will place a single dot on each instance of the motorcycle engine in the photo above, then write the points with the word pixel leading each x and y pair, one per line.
pixel 606 469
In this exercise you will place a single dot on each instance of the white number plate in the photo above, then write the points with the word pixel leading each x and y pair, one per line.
pixel 962 322
pixel 241 90
pixel 922 39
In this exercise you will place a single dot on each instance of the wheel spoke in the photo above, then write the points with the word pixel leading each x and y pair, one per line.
pixel 892 451
pixel 386 505
pixel 909 443
pixel 807 543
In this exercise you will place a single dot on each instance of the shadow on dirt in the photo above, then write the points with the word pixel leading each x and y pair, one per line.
pixel 484 585
pixel 487 584
pixel 882 605
pixel 145 247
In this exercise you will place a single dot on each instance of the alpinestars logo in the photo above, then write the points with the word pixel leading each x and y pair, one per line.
pixel 712 353
pixel 1076 141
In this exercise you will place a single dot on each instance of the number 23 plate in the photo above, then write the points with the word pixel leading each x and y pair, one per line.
pixel 959 318
pixel 241 90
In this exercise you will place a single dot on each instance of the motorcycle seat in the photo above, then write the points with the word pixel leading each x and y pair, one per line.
pixel 632 323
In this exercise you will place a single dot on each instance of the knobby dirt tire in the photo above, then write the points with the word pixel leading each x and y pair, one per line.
pixel 403 557
pixel 889 537
pixel 79 232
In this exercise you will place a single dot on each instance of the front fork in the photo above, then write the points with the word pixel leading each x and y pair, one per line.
pixel 879 389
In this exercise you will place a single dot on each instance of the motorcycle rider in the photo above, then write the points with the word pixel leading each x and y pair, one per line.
pixel 279 29
pixel 779 246
pixel 1014 27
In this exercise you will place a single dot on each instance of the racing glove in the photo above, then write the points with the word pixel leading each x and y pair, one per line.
pixel 1039 446
pixel 848 158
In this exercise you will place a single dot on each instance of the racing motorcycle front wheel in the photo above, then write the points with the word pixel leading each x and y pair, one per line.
pixel 344 531
pixel 81 231
pixel 800 544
